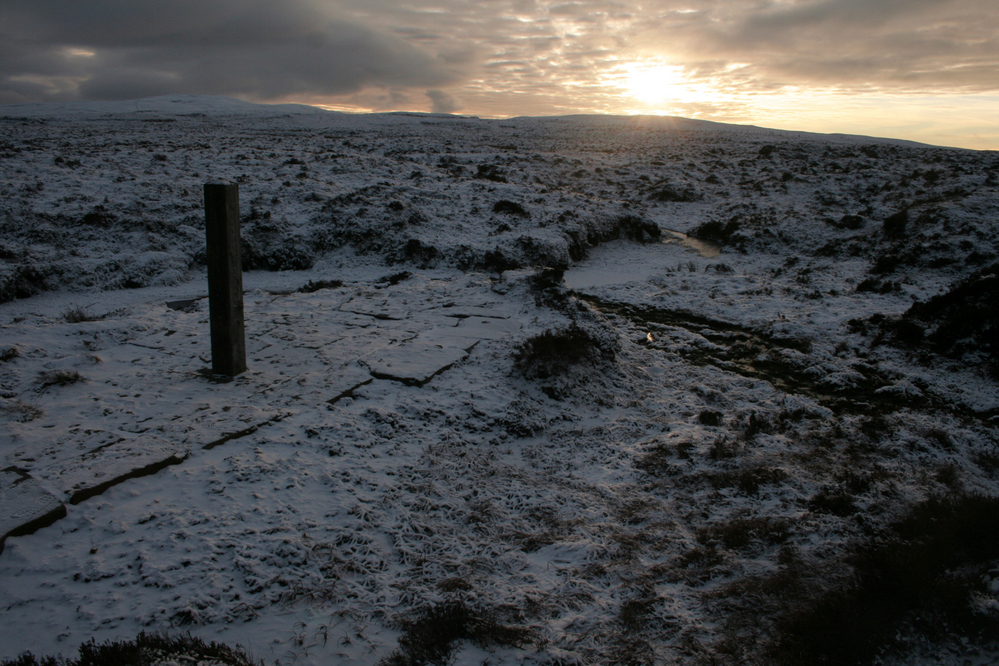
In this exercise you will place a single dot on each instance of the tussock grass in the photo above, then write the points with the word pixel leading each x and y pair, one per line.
pixel 548 288
pixel 636 620
pixel 748 479
pixel 919 573
pixel 314 286
pixel 959 324
pixel 394 278
pixel 78 314
pixel 832 501
pixel 554 351
pixel 742 533
pixel 145 649
pixel 59 378
pixel 432 635
pixel 506 207
pixel 710 417
pixel 20 411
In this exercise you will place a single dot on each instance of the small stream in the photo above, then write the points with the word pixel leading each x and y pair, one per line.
pixel 755 355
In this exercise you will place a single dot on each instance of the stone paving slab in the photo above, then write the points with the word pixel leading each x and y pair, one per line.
pixel 202 424
pixel 92 473
pixel 25 506
pixel 414 363
pixel 498 311
pixel 147 399
pixel 486 328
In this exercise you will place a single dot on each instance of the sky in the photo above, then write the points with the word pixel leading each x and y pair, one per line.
pixel 925 70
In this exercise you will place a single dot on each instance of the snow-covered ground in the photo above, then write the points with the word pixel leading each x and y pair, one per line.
pixel 384 453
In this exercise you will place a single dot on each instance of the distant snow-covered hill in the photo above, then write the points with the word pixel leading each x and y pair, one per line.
pixel 166 105
pixel 217 105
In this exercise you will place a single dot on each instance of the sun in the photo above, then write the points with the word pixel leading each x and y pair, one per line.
pixel 657 86
pixel 653 85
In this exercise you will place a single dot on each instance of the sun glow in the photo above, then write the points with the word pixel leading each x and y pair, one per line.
pixel 654 85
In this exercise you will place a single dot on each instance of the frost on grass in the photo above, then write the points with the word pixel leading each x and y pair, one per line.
pixel 16 410
pixel 146 649
pixel 50 378
pixel 690 457
pixel 926 576
pixel 430 636
pixel 77 315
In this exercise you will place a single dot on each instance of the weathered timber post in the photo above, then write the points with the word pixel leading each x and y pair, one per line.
pixel 225 278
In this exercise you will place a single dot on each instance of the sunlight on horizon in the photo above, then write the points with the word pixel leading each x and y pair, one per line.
pixel 654 86
pixel 658 88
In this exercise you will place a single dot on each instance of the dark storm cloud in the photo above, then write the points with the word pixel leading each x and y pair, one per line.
pixel 107 49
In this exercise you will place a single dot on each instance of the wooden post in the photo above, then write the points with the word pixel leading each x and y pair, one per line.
pixel 225 279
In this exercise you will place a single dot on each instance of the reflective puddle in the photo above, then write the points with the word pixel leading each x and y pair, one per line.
pixel 705 248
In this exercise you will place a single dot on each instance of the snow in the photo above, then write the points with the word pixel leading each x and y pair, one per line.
pixel 382 453
pixel 152 107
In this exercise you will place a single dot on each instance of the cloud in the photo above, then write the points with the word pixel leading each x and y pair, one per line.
pixel 567 9
pixel 502 57
pixel 442 102
pixel 253 49
pixel 854 45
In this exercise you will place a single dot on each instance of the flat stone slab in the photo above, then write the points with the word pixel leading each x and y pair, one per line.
pixel 25 506
pixel 486 328
pixel 344 381
pixel 495 311
pixel 146 399
pixel 94 472
pixel 204 424
pixel 414 363
pixel 379 309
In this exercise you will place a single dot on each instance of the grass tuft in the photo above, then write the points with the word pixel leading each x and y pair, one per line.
pixel 431 637
pixel 742 533
pixel 20 411
pixel 314 286
pixel 920 573
pixel 510 208
pixel 59 378
pixel 832 501
pixel 553 352
pixel 548 287
pixel 710 418
pixel 145 649
pixel 394 278
pixel 77 314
